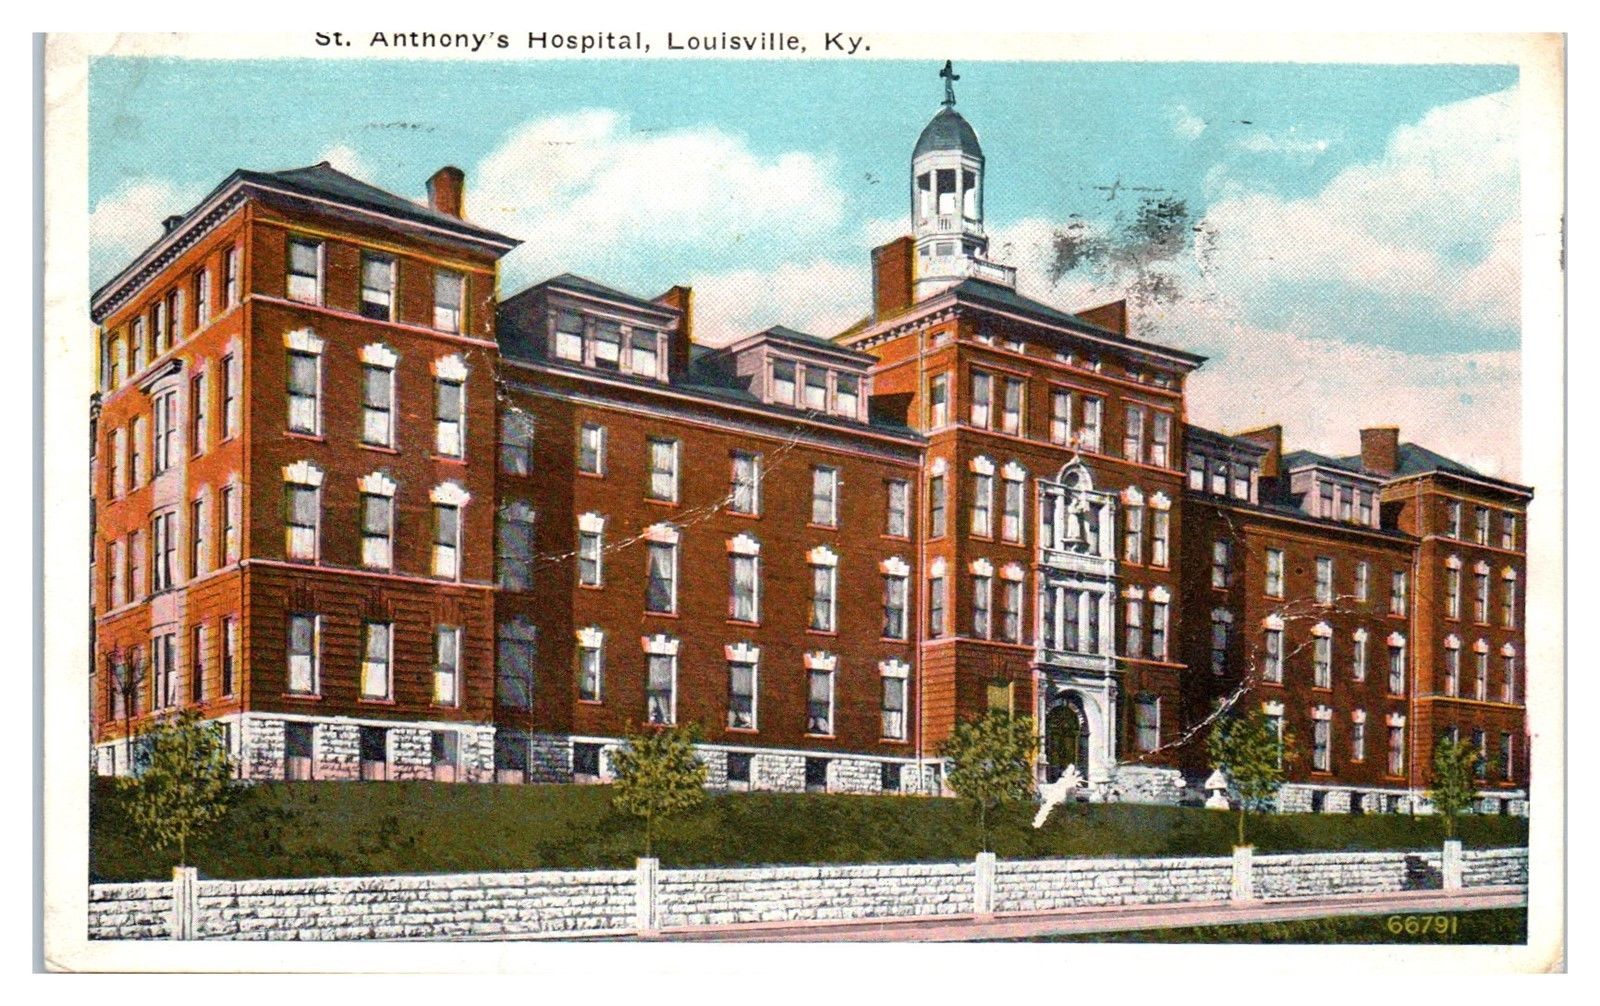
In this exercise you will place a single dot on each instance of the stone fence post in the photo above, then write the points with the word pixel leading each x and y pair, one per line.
pixel 646 912
pixel 1451 865
pixel 983 884
pixel 184 902
pixel 1244 885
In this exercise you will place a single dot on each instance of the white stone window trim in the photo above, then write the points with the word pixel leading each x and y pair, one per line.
pixel 1508 650
pixel 1013 571
pixel 821 660
pixel 1013 472
pixel 450 368
pixel 1360 635
pixel 590 637
pixel 662 534
pixel 939 467
pixel 659 645
pixel 981 567
pixel 1358 716
pixel 303 340
pixel 1481 646
pixel 894 667
pixel 1508 574
pixel 1272 621
pixel 1131 496
pixel 379 355
pixel 1322 630
pixel 982 465
pixel 1272 708
pixel 822 555
pixel 591 523
pixel 1452 562
pixel 449 494
pixel 376 484
pixel 937 567
pixel 744 544
pixel 303 473
pixel 894 566
pixel 1160 501
pixel 1160 595
pixel 1395 719
pixel 1322 713
pixel 1481 568
pixel 1452 642
pixel 1133 593
pixel 1396 639
pixel 742 653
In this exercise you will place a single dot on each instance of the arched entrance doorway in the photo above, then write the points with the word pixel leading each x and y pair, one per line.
pixel 1066 737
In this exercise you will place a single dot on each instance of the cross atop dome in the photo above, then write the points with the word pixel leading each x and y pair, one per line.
pixel 950 77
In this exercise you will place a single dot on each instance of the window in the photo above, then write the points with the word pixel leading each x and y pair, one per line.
pixel 1221 564
pixel 514 546
pixel 136 583
pixel 1358 738
pixel 936 506
pixel 982 522
pixel 1452 667
pixel 897 518
pixel 377 287
pixel 1452 592
pixel 1089 435
pixel 305 390
pixel 936 601
pixel 1219 478
pixel 449 405
pixel 115 562
pixel 1322 662
pixel 377 531
pixel 115 472
pixel 592 449
pixel 1480 685
pixel 982 395
pixel 1508 531
pixel 447 665
pixel 1272 658
pixel 1274 572
pixel 590 551
pixel 1324 580
pixel 1397 667
pixel 1221 622
pixel 377 405
pixel 895 590
pixel 1508 682
pixel 824 591
pixel 230 277
pixel 1011 511
pixel 1160 436
pixel 516 653
pixel 175 315
pixel 228 508
pixel 1480 744
pixel 1147 722
pixel 591 667
pixel 230 397
pixel 1060 416
pixel 1452 514
pixel 816 388
pixel 166 434
pixel 1011 406
pixel 447 540
pixel 1345 502
pixel 1197 472
pixel 1133 623
pixel 607 346
pixel 982 593
pixel 1480 597
pixel 1160 536
pixel 1358 656
pixel 1322 744
pixel 303 660
pixel 819 702
pixel 660 688
pixel 744 588
pixel 197 413
pixel 783 382
pixel 1133 534
pixel 1397 749
pixel 663 470
pixel 302 512
pixel 164 546
pixel 305 270
pixel 449 289
pixel 230 653
pixel 644 354
pixel 132 362
pixel 939 401
pixel 158 329
pixel 376 679
pixel 741 695
pixel 1325 501
pixel 661 587
pixel 1397 592
pixel 1366 506
pixel 164 671
pixel 1158 630
pixel 1480 526
pixel 1133 433
pixel 569 337
pixel 892 705
pixel 516 442
pixel 744 494
pixel 825 496
pixel 445 746
pixel 847 395
pixel 1275 726
pixel 1011 611
pixel 197 537
pixel 1241 481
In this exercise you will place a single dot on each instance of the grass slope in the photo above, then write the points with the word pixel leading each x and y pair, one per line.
pixel 1491 926
pixel 339 829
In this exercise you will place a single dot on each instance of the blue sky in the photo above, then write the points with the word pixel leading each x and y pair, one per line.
pixel 1366 216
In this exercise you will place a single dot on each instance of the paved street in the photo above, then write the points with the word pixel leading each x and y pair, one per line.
pixel 1105 919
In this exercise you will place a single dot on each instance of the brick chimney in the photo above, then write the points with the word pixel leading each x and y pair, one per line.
pixel 680 299
pixel 1112 317
pixel 1380 449
pixel 447 191
pixel 1270 437
pixel 893 273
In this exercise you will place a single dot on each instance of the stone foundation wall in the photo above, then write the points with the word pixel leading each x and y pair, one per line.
pixel 854 775
pixel 1494 867
pixel 130 911
pixel 807 893
pixel 1308 874
pixel 1148 784
pixel 1048 884
pixel 783 773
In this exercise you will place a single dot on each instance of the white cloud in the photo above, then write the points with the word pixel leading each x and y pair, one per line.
pixel 344 158
pixel 127 221
pixel 1185 124
pixel 587 191
pixel 821 297
pixel 1288 143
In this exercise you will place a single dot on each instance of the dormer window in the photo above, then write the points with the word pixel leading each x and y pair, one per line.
pixel 1241 481
pixel 607 346
pixel 1197 472
pixel 816 388
pixel 1219 478
pixel 783 382
pixel 645 360
pixel 569 337
pixel 847 395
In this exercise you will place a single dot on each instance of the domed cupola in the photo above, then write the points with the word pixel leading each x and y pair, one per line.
pixel 947 200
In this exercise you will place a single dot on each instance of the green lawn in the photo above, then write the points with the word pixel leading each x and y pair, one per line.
pixel 333 829
pixel 1495 926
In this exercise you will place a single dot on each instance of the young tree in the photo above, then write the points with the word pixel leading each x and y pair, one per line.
pixel 126 674
pixel 1252 750
pixel 1452 790
pixel 184 789
pixel 991 763
pixel 657 774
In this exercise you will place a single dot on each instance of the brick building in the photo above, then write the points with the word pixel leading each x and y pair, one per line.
pixel 383 523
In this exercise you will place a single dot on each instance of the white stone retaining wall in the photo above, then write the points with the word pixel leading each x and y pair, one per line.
pixel 808 893
pixel 1043 885
pixel 1494 867
pixel 1307 874
pixel 130 911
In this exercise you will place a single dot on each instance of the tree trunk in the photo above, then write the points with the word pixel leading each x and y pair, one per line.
pixel 1241 820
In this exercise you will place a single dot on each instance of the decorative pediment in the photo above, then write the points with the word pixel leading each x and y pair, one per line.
pixel 1508 650
pixel 821 660
pixel 981 567
pixel 302 340
pixel 1013 472
pixel 1481 646
pixel 1013 571
pixel 1452 562
pixel 1322 629
pixel 741 653
pixel 1272 621
pixel 1272 708
pixel 1396 639
pixel 591 523
pixel 661 534
pixel 379 355
pixel 1161 501
pixel 302 473
pixel 1322 713
pixel 450 494
pixel 1358 716
pixel 660 645
pixel 894 667
pixel 894 566
pixel 591 637
pixel 744 544
pixel 1395 719
pixel 376 484
pixel 822 555
pixel 981 465
pixel 450 368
